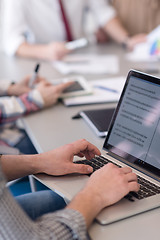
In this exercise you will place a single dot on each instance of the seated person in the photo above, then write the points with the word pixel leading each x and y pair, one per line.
pixel 17 99
pixel 138 18
pixel 39 29
pixel 105 187
pixel 23 100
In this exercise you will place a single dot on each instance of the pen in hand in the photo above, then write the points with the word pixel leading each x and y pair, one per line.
pixel 34 76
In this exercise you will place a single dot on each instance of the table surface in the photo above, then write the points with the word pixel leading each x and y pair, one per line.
pixel 55 128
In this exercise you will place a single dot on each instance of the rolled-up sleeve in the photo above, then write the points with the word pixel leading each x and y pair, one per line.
pixel 65 224
pixel 103 11
pixel 13 107
pixel 13 25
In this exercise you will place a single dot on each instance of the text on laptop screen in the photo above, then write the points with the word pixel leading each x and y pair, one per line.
pixel 135 130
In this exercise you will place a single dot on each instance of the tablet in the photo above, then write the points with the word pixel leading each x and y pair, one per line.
pixel 79 87
pixel 98 119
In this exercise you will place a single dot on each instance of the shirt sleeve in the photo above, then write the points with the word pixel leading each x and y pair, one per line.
pixel 102 10
pixel 14 25
pixel 4 84
pixel 12 108
pixel 66 224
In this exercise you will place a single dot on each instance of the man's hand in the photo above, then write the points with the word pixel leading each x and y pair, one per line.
pixel 111 183
pixel 105 187
pixel 50 52
pixel 60 160
pixel 22 87
pixel 50 93
pixel 134 40
pixel 55 51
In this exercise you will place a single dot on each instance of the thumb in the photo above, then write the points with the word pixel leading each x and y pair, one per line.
pixel 81 168
pixel 62 86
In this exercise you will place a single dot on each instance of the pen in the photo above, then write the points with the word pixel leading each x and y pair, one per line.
pixel 34 76
pixel 106 89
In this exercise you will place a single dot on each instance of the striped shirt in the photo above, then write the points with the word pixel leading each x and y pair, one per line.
pixel 13 107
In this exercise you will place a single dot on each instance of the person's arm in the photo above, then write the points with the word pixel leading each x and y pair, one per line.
pixel 56 162
pixel 51 51
pixel 15 30
pixel 116 31
pixel 14 224
pixel 13 107
pixel 104 188
pixel 109 21
pixel 26 100
pixel 66 224
pixel 17 99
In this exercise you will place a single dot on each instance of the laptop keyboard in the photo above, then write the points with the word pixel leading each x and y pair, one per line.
pixel 147 189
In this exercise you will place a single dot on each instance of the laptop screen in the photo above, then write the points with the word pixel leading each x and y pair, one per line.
pixel 134 132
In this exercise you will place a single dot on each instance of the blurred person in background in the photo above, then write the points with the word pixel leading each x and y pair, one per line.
pixel 138 18
pixel 18 99
pixel 40 29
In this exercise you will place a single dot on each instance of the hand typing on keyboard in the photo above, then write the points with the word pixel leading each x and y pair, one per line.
pixel 147 189
pixel 105 187
pixel 120 179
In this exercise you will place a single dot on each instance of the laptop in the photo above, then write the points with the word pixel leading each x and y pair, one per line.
pixel 134 140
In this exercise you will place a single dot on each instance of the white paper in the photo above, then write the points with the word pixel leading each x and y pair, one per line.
pixel 88 64
pixel 141 51
pixel 100 95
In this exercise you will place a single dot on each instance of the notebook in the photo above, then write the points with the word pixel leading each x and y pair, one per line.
pixel 133 140
pixel 88 64
pixel 98 120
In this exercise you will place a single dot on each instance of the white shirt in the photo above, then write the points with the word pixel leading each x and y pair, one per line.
pixel 40 21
